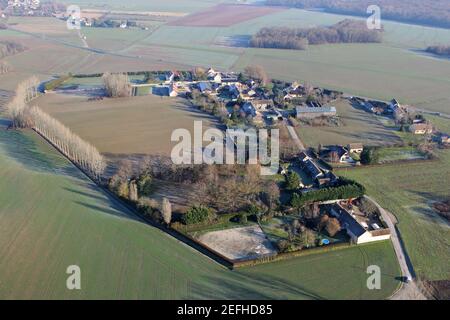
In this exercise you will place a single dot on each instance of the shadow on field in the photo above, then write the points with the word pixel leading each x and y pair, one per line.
pixel 428 213
pixel 250 286
pixel 19 146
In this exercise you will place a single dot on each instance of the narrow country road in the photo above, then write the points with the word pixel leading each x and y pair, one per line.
pixel 294 135
pixel 408 291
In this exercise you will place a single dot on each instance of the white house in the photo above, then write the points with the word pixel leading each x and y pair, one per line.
pixel 359 232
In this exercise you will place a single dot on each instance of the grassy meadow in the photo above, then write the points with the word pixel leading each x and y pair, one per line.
pixel 52 217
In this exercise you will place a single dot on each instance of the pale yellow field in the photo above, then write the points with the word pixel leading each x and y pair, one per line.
pixel 132 126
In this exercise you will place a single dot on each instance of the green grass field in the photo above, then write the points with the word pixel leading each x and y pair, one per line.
pixel 400 153
pixel 408 190
pixel 357 126
pixel 52 217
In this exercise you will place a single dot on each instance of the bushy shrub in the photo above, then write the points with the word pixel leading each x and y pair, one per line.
pixel 370 155
pixel 292 181
pixel 197 215
pixel 145 185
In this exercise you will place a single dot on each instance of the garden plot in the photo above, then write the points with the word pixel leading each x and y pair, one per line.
pixel 239 243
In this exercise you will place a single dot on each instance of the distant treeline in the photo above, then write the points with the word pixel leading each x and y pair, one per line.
pixel 8 48
pixel 346 31
pixel 439 50
pixel 427 12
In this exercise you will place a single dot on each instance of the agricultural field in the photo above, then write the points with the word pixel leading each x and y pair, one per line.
pixel 147 5
pixel 395 68
pixel 126 126
pixel 224 15
pixel 408 191
pixel 356 126
pixel 44 230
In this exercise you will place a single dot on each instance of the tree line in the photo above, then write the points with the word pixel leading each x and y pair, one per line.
pixel 440 50
pixel 427 12
pixel 9 48
pixel 346 31
pixel 345 190
pixel 73 147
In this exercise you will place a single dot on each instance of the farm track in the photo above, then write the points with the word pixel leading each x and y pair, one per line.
pixel 81 47
pixel 408 290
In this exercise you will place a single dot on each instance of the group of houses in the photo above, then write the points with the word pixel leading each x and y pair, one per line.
pixel 254 100
pixel 394 109
pixel 226 87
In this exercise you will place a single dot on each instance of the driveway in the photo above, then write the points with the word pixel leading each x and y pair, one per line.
pixel 294 135
pixel 408 291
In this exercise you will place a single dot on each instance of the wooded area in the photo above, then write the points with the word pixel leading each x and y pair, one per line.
pixel 8 48
pixel 346 31
pixel 439 50
pixel 427 12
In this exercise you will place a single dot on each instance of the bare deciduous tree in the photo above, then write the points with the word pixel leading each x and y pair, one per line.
pixel 5 67
pixel 166 210
pixel 117 85
pixel 257 73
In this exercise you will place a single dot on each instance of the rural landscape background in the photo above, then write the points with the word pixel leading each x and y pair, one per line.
pixel 52 215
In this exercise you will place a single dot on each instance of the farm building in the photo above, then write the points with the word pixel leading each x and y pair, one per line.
pixel 359 231
pixel 394 105
pixel 304 112
pixel 229 77
pixel 310 166
pixel 421 128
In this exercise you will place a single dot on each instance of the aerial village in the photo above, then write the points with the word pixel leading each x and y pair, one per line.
pixel 314 208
